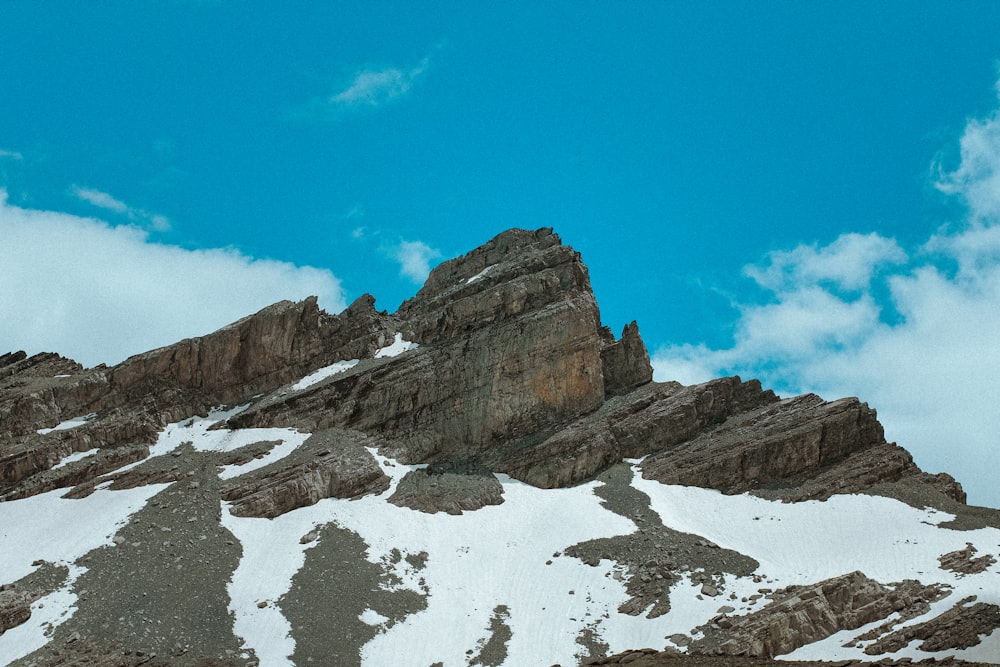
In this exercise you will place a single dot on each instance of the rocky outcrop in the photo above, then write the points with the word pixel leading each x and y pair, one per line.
pixel 804 614
pixel 330 464
pixel 15 607
pixel 625 361
pixel 280 343
pixel 964 561
pixel 510 347
pixel 962 626
pixel 513 371
pixel 452 488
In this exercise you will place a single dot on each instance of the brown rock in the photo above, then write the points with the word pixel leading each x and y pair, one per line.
pixel 804 614
pixel 15 607
pixel 960 627
pixel 453 488
pixel 964 562
pixel 330 464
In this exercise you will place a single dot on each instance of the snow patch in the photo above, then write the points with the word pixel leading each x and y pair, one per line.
pixel 372 617
pixel 196 430
pixel 323 373
pixel 397 347
pixel 69 423
pixel 498 555
pixel 72 458
pixel 480 275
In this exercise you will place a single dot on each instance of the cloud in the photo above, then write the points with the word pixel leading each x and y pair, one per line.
pixel 154 221
pixel 977 179
pixel 376 87
pixel 932 370
pixel 848 263
pixel 99 293
pixel 10 155
pixel 414 259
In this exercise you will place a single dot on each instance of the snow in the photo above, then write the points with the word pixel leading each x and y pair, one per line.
pixel 75 456
pixel 372 617
pixel 324 373
pixel 510 555
pixel 46 613
pixel 397 347
pixel 60 531
pixel 480 275
pixel 69 423
pixel 476 561
pixel 507 555
pixel 198 431
pixel 803 543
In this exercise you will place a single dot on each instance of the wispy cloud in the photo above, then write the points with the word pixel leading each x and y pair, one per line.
pixel 932 369
pixel 376 87
pixel 99 293
pixel 368 88
pixel 977 178
pixel 10 155
pixel 138 216
pixel 414 259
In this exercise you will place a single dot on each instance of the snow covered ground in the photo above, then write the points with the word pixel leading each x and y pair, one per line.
pixel 802 543
pixel 504 555
pixel 59 531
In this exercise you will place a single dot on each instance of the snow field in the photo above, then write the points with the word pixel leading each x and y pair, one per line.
pixel 60 531
pixel 477 561
pixel 802 543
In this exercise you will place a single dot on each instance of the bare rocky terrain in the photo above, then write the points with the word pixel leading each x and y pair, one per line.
pixel 497 373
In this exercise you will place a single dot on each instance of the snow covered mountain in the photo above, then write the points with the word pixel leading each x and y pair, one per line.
pixel 485 477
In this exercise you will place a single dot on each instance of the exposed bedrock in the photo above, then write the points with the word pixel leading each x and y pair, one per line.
pixel 800 615
pixel 330 464
pixel 514 371
pixel 450 487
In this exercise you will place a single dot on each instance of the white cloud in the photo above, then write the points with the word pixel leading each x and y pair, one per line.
pixel 414 259
pixel 932 371
pixel 98 293
pixel 847 263
pixel 10 155
pixel 138 216
pixel 977 179
pixel 375 87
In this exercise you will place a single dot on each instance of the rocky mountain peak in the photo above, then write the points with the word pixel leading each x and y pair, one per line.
pixel 496 380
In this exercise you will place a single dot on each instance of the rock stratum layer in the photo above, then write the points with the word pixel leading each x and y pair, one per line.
pixel 496 381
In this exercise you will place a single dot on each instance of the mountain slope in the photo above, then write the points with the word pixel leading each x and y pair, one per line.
pixel 487 476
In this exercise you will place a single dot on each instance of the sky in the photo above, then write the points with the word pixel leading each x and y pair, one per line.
pixel 806 193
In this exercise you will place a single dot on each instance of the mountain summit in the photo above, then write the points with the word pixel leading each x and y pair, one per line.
pixel 487 476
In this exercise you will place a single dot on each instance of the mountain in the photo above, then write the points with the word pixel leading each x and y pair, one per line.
pixel 487 476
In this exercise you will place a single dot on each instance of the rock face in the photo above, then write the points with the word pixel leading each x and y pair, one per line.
pixel 802 615
pixel 15 608
pixel 962 626
pixel 330 464
pixel 499 366
pixel 513 371
pixel 448 488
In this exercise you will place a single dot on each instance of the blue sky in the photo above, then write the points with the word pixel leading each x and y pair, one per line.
pixel 802 192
